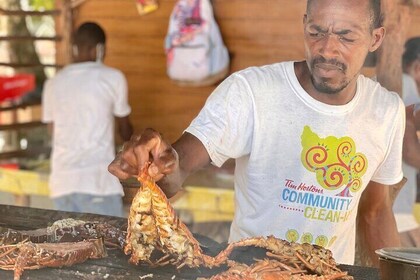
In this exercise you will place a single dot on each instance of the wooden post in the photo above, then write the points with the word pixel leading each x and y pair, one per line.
pixel 414 3
pixel 64 29
pixel 388 61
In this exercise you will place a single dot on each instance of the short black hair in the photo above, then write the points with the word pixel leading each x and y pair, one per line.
pixel 89 34
pixel 411 52
pixel 375 12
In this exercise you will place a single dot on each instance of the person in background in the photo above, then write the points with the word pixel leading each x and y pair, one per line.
pixel 403 207
pixel 411 59
pixel 80 104
pixel 313 140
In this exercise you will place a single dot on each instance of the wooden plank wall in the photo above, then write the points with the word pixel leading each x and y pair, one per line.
pixel 255 32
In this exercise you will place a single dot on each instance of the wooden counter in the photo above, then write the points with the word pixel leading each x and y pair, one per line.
pixel 116 265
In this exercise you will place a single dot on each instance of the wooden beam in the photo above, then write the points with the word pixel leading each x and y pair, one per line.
pixel 64 27
pixel 18 106
pixel 12 154
pixel 389 67
pixel 77 3
pixel 28 13
pixel 21 125
pixel 29 65
pixel 30 38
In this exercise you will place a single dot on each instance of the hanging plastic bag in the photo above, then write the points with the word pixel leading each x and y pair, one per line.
pixel 196 54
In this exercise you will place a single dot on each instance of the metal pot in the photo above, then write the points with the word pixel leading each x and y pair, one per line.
pixel 399 263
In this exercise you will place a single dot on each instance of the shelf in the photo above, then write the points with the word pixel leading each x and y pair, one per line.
pixel 30 38
pixel 27 156
pixel 19 106
pixel 29 65
pixel 28 13
pixel 12 154
pixel 21 125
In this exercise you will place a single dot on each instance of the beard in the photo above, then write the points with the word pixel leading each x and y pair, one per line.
pixel 324 85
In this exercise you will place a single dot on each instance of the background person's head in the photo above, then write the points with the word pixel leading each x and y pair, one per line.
pixel 89 43
pixel 411 59
pixel 338 35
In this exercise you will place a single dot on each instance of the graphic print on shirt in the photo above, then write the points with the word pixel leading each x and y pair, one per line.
pixel 338 169
pixel 334 161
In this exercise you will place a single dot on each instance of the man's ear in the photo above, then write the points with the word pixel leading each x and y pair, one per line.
pixel 100 52
pixel 378 35
pixel 75 51
pixel 92 53
pixel 417 66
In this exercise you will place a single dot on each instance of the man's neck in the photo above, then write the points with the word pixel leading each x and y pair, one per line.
pixel 83 60
pixel 340 98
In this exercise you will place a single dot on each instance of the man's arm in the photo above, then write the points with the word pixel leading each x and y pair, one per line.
pixel 411 145
pixel 376 220
pixel 192 156
pixel 125 128
pixel 50 128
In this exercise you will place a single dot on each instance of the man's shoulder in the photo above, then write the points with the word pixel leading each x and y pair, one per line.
pixel 381 101
pixel 110 70
pixel 377 91
pixel 265 74
pixel 264 68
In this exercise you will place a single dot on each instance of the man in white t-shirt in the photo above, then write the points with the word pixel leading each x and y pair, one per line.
pixel 407 225
pixel 314 141
pixel 80 104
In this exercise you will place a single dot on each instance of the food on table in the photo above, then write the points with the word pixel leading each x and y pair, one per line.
pixel 66 230
pixel 154 226
pixel 28 255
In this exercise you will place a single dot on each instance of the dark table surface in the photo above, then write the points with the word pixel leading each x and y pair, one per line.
pixel 115 265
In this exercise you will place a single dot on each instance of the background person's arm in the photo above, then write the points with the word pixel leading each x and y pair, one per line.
pixel 411 145
pixel 125 128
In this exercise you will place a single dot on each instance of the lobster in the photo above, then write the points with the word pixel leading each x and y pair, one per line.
pixel 28 255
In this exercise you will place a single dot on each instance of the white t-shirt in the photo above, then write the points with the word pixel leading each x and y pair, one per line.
pixel 301 165
pixel 81 101
pixel 404 203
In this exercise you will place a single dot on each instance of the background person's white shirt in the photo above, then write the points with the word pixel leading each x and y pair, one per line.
pixel 81 101
pixel 404 203
pixel 301 165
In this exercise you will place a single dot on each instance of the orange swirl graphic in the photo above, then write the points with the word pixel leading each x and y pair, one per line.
pixel 316 157
pixel 335 161
pixel 334 176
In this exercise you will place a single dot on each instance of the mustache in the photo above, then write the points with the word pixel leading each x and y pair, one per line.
pixel 335 62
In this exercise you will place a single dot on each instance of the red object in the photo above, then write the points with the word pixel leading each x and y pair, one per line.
pixel 15 86
pixel 9 165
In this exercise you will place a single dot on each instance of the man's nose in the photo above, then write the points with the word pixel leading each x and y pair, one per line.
pixel 329 47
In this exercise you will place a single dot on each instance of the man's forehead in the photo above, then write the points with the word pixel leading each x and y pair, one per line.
pixel 339 17
pixel 347 4
pixel 337 26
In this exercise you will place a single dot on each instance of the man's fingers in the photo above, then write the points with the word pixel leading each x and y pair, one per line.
pixel 149 147
pixel 168 161
pixel 164 163
pixel 115 169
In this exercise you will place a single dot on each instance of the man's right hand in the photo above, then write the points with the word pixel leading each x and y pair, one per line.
pixel 148 147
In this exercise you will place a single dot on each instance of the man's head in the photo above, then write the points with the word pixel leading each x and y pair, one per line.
pixel 338 36
pixel 89 42
pixel 411 59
